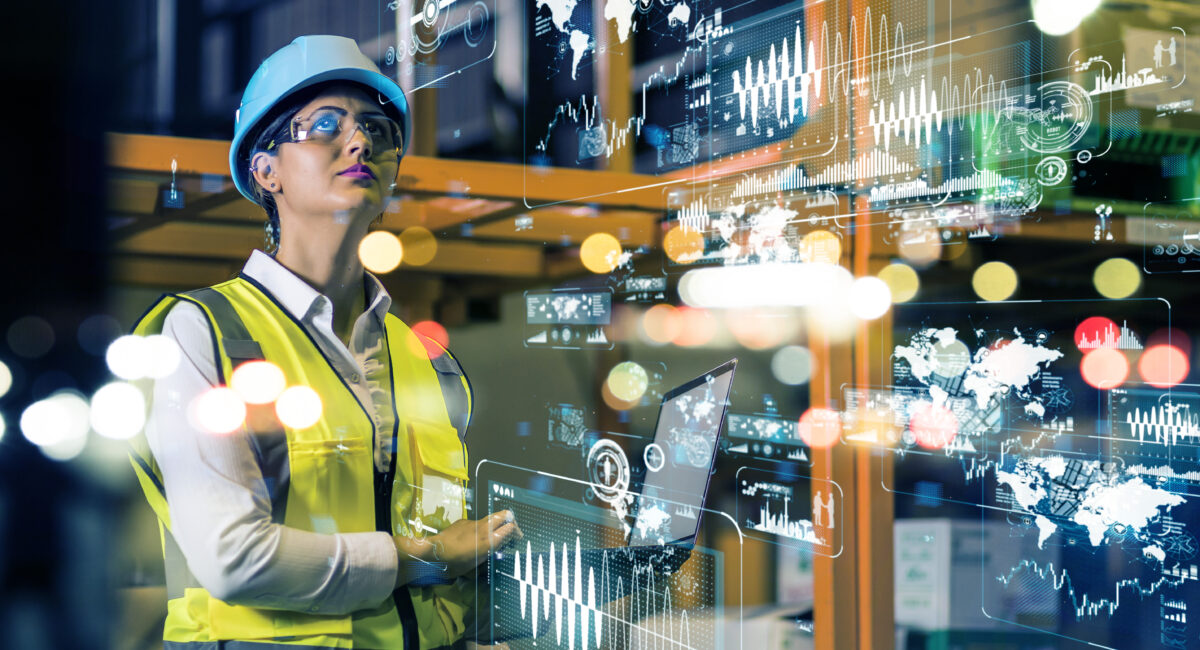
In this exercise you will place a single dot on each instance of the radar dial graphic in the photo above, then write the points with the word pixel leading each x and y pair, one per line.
pixel 1061 114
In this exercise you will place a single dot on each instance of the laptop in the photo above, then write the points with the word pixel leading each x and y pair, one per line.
pixel 679 463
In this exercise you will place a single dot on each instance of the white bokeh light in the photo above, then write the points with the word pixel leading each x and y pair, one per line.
pixel 298 407
pixel 5 378
pixel 258 382
pixel 765 285
pixel 1058 17
pixel 128 357
pixel 870 298
pixel 118 411
pixel 218 410
pixel 792 365
pixel 56 420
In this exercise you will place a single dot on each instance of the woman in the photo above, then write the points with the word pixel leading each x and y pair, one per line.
pixel 346 532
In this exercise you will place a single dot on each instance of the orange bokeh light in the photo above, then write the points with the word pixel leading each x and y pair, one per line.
pixel 1104 368
pixel 662 323
pixel 1163 366
pixel 428 329
pixel 820 428
pixel 697 327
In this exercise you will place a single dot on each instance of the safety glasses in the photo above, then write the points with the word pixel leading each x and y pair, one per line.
pixel 330 125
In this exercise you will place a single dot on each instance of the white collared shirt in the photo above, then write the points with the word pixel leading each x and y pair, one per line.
pixel 219 505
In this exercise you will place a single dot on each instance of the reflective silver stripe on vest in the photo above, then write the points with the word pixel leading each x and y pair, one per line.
pixel 239 345
pixel 179 577
pixel 270 447
pixel 458 406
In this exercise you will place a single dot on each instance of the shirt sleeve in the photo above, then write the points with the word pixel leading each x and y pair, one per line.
pixel 221 510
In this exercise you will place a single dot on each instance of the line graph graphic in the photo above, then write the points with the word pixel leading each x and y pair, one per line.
pixel 1085 605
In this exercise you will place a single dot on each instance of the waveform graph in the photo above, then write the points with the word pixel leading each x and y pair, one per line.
pixel 790 510
pixel 1156 433
pixel 572 582
pixel 1100 332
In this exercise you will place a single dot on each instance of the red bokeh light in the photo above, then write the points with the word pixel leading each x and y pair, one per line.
pixel 934 426
pixel 1163 366
pixel 428 329
pixel 1104 368
pixel 1094 330
pixel 820 428
pixel 1172 336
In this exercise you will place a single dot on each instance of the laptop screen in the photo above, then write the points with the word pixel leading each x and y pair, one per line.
pixel 679 462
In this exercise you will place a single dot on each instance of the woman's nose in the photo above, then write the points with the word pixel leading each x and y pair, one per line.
pixel 359 141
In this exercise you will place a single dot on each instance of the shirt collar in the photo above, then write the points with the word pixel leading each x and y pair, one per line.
pixel 299 297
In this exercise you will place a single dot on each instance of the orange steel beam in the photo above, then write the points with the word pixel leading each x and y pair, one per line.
pixel 418 174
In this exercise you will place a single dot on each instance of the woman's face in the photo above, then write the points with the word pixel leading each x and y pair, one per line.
pixel 323 178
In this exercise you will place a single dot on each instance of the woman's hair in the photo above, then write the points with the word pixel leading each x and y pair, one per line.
pixel 275 125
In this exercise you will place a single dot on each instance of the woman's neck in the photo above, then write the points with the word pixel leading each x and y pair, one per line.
pixel 329 263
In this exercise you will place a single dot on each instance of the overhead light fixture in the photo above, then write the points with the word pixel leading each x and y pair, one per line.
pixel 1058 17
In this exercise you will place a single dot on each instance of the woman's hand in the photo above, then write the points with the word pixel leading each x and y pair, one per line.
pixel 456 550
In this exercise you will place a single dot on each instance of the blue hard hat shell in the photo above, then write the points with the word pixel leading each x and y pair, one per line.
pixel 304 62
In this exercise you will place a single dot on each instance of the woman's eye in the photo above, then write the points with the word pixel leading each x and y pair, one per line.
pixel 327 124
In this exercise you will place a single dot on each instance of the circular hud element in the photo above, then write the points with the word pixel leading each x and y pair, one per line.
pixel 1051 170
pixel 1060 116
pixel 608 470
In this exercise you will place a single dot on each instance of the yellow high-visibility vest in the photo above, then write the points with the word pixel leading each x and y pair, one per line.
pixel 323 478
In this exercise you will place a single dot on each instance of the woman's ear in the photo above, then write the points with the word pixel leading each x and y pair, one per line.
pixel 262 168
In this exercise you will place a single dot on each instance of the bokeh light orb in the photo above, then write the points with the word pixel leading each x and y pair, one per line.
pixel 1163 366
pixel 902 281
pixel 683 245
pixel 820 428
pixel 298 407
pixel 30 337
pixel 218 410
pixel 58 419
pixel 792 365
pixel 615 403
pixel 258 382
pixel 820 246
pixel 662 323
pixel 1094 331
pixel 697 327
pixel 1168 336
pixel 128 357
pixel 921 245
pixel 1104 368
pixel 994 281
pixel 600 252
pixel 118 411
pixel 419 245
pixel 628 381
pixel 6 378
pixel 1117 278
pixel 420 343
pixel 869 298
pixel 933 425
pixel 380 251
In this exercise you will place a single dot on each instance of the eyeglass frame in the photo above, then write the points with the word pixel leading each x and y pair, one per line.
pixel 293 128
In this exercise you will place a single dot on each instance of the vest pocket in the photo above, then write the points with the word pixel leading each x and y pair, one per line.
pixel 331 488
pixel 440 468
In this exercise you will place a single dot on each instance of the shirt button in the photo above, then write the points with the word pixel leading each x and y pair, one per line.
pixel 354 377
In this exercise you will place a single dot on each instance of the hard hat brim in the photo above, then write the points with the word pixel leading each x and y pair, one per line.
pixel 390 95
